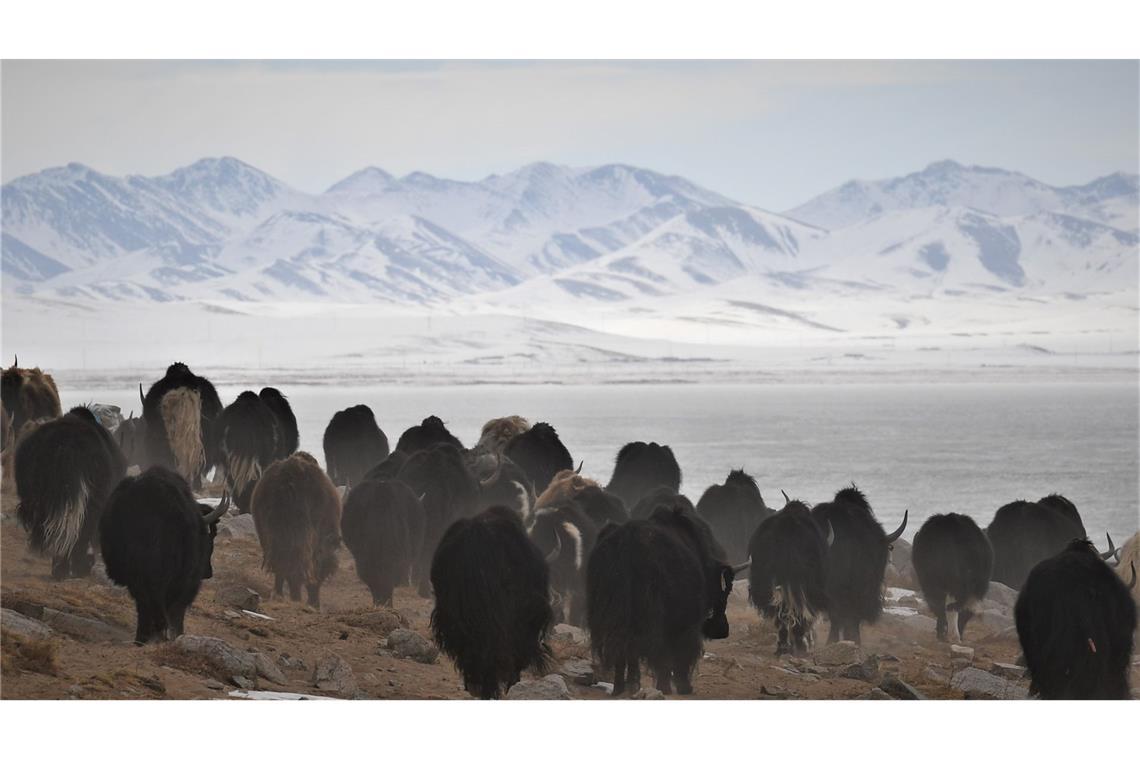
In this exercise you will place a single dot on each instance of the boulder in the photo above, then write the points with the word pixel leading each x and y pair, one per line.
pixel 1007 670
pixel 570 633
pixel 334 674
pixel 381 621
pixel 231 661
pixel 1001 595
pixel 22 625
pixel 957 650
pixel 648 692
pixel 900 689
pixel 237 526
pixel 875 693
pixel 409 644
pixel 579 671
pixel 550 687
pixel 84 628
pixel 841 653
pixel 978 684
pixel 241 597
pixel 867 670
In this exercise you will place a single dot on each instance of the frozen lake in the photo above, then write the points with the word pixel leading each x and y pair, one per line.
pixel 927 447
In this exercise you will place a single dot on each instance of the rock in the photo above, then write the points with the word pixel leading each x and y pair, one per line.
pixel 918 623
pixel 231 614
pixel 579 671
pixel 292 663
pixel 936 675
pixel 216 685
pixel 841 653
pixel 571 633
pixel 875 693
pixel 1001 595
pixel 900 689
pixel 334 674
pixel 550 687
pixel 978 684
pixel 13 622
pixel 648 692
pixel 994 619
pixel 84 628
pixel 238 526
pixel 241 597
pixel 957 663
pixel 1007 670
pixel 231 661
pixel 900 569
pixel 867 670
pixel 243 682
pixel 409 644
pixel 381 621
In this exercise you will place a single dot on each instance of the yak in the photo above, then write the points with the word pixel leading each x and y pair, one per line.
pixel 654 588
pixel 249 442
pixel 640 467
pixel 28 394
pixel 157 541
pixel 540 453
pixel 497 433
pixel 504 484
pixel 954 561
pixel 564 486
pixel 601 506
pixel 733 510
pixel 788 578
pixel 661 496
pixel 492 601
pixel 449 492
pixel 389 468
pixel 131 437
pixel 565 535
pixel 1129 556
pixel 856 562
pixel 425 435
pixel 180 412
pixel 1075 619
pixel 353 444
pixel 383 527
pixel 288 437
pixel 65 471
pixel 1023 533
pixel 296 511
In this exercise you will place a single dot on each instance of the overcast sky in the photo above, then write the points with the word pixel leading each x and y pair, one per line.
pixel 769 133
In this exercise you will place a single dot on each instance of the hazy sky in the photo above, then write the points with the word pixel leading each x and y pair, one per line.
pixel 770 133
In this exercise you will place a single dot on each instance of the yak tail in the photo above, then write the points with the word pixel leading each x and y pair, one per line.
pixel 61 530
pixel 792 609
pixel 242 471
pixel 182 418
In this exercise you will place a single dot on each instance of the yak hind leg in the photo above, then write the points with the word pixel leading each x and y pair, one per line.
pixel 60 568
pixel 279 586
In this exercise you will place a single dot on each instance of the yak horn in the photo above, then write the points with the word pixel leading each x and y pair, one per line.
pixel 741 567
pixel 830 534
pixel 786 499
pixel 216 513
pixel 579 470
pixel 1132 583
pixel 1111 549
pixel 15 360
pixel 131 416
pixel 895 536
pixel 557 550
pixel 494 478
pixel 142 398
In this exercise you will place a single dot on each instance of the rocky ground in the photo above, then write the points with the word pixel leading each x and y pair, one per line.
pixel 72 640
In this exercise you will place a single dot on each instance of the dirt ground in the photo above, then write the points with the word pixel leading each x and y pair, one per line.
pixel 743 666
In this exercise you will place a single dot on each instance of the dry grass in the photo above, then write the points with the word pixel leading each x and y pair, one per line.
pixel 34 655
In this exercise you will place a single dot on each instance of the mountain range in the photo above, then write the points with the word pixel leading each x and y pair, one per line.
pixel 221 230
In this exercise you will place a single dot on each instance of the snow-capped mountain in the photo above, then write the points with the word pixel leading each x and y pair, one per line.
pixel 548 236
pixel 1113 200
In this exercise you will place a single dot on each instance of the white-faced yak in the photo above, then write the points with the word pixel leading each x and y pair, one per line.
pixel 953 560
pixel 856 562
pixel 158 542
pixel 353 444
pixel 1075 620
pixel 787 582
pixel 296 511
pixel 492 601
pixel 65 470
pixel 733 511
pixel 180 411
pixel 383 527
pixel 641 467
pixel 654 588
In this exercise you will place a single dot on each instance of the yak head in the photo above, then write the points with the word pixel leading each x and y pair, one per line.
pixel 210 517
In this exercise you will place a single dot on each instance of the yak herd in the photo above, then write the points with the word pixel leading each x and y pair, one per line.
pixel 509 538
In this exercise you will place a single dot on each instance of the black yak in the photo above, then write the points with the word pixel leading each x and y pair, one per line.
pixel 389 468
pixel 131 437
pixel 733 510
pixel 661 496
pixel 601 506
pixel 353 444
pixel 953 560
pixel 157 541
pixel 180 411
pixel 296 511
pixel 248 443
pixel 65 471
pixel 383 527
pixel 565 535
pixel 288 437
pixel 502 483
pixel 425 435
pixel 788 578
pixel 492 601
pixel 539 451
pixel 654 588
pixel 1023 533
pixel 28 394
pixel 1075 619
pixel 449 492
pixel 641 467
pixel 856 562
